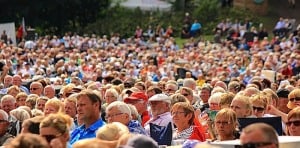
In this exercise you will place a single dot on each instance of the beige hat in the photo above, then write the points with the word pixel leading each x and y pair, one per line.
pixel 160 97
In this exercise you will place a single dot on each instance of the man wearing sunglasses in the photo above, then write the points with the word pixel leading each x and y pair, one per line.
pixel 259 135
pixel 5 137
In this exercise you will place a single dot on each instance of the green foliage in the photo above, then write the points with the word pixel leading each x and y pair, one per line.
pixel 117 21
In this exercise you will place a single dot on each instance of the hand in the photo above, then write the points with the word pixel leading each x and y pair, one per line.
pixel 56 143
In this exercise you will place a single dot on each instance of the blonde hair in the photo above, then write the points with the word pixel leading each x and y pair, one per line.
pixel 260 98
pixel 57 104
pixel 293 94
pixel 112 131
pixel 32 100
pixel 60 122
pixel 246 101
pixel 226 99
pixel 178 98
pixel 294 113
pixel 21 94
pixel 92 143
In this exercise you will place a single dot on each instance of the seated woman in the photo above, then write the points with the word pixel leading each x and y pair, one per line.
pixel 259 104
pixel 183 118
pixel 53 106
pixel 55 128
pixel 293 122
pixel 226 125
pixel 120 112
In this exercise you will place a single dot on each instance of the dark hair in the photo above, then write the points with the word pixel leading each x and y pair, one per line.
pixel 2 64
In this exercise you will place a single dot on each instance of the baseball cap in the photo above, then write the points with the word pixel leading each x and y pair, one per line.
pixel 136 96
pixel 160 97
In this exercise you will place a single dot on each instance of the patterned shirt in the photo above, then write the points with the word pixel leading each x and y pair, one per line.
pixel 185 134
pixel 136 128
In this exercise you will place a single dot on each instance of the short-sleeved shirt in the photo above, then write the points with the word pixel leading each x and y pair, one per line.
pixel 84 133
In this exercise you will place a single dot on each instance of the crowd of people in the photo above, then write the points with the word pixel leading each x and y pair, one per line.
pixel 90 91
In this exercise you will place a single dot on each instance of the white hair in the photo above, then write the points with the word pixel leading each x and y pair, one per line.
pixel 113 92
pixel 8 98
pixel 215 98
pixel 189 82
pixel 20 114
pixel 121 106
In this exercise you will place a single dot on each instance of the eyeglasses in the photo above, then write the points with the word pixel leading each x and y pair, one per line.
pixel 296 123
pixel 176 113
pixel 254 145
pixel 222 122
pixel 167 90
pixel 259 109
pixel 49 138
pixel 34 88
pixel 294 99
pixel 113 115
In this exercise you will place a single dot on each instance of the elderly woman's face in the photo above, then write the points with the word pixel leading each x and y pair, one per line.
pixel 293 126
pixel 179 117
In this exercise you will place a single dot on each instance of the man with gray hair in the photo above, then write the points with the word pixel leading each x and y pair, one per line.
pixel 120 112
pixel 5 137
pixel 8 103
pixel 160 105
pixel 259 135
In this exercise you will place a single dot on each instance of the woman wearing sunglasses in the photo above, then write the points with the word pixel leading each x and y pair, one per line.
pixel 294 99
pixel 293 123
pixel 55 129
pixel 259 104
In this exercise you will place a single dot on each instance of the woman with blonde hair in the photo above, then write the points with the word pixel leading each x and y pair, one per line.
pixel 241 106
pixel 259 104
pixel 294 99
pixel 53 106
pixel 13 90
pixel 293 122
pixel 55 128
pixel 225 124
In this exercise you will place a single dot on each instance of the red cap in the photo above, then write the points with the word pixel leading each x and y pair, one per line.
pixel 137 96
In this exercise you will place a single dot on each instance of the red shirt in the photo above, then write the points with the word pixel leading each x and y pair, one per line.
pixel 145 117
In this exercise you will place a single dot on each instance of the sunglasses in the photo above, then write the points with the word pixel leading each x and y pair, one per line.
pixel 49 138
pixel 185 95
pixel 254 145
pixel 294 99
pixel 296 123
pixel 259 109
pixel 34 88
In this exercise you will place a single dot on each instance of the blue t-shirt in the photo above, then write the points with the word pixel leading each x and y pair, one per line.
pixel 83 133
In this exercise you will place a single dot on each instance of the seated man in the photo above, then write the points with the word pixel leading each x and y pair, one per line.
pixel 120 112
pixel 88 109
pixel 160 107
pixel 259 135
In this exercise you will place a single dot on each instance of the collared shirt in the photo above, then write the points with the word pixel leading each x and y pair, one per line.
pixel 136 128
pixel 83 133
pixel 161 120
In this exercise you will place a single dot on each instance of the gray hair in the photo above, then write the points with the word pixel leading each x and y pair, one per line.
pixel 189 82
pixel 20 114
pixel 8 98
pixel 4 114
pixel 121 106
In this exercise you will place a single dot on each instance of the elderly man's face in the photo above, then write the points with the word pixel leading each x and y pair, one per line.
pixel 256 137
pixel 159 107
pixel 8 105
pixel 115 115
